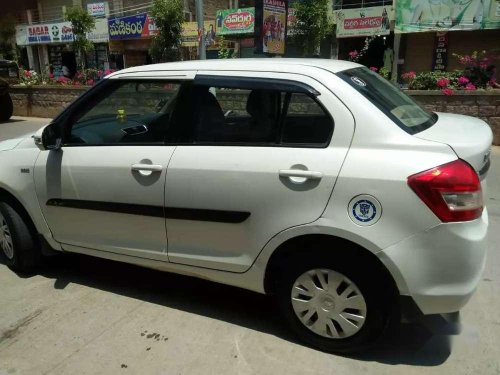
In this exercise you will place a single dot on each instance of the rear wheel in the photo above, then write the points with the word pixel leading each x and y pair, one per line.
pixel 17 245
pixel 6 107
pixel 332 305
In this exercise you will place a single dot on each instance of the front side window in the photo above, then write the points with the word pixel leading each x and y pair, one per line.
pixel 125 112
pixel 398 106
pixel 259 117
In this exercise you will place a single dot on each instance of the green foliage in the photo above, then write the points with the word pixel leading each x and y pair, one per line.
pixel 312 26
pixel 7 33
pixel 384 72
pixel 225 52
pixel 169 16
pixel 81 23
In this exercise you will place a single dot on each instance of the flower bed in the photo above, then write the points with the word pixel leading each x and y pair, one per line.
pixel 86 77
pixel 478 73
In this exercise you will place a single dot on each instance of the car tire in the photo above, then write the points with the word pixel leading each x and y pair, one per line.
pixel 6 107
pixel 18 248
pixel 377 307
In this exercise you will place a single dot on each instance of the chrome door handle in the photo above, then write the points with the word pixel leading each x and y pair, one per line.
pixel 147 167
pixel 310 175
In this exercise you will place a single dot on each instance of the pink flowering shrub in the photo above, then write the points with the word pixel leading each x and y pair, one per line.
pixel 443 82
pixel 353 55
pixel 478 69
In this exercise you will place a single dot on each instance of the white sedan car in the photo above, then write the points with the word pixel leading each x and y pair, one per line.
pixel 316 181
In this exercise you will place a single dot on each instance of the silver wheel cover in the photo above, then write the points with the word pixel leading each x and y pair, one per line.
pixel 6 239
pixel 328 303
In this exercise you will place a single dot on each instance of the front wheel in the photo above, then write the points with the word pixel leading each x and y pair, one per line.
pixel 332 306
pixel 17 244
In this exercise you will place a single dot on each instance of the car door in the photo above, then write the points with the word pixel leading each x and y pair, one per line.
pixel 265 154
pixel 104 189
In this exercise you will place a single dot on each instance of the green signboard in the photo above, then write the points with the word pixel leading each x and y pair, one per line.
pixel 235 21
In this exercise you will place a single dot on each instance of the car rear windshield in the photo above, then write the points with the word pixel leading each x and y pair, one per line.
pixel 398 106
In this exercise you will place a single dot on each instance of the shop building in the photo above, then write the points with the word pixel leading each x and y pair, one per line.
pixel 421 35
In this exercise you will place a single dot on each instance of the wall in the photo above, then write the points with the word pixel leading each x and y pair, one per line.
pixel 43 101
pixel 49 101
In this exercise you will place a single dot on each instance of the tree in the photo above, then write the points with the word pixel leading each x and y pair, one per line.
pixel 81 23
pixel 312 26
pixel 168 16
pixel 7 33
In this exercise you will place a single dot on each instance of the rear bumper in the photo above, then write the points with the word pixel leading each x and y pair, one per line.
pixel 440 268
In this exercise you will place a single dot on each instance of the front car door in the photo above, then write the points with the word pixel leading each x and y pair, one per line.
pixel 264 156
pixel 104 189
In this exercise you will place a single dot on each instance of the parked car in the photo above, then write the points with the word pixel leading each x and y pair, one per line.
pixel 6 106
pixel 315 181
pixel 9 71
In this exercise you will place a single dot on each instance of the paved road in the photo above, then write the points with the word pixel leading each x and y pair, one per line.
pixel 90 316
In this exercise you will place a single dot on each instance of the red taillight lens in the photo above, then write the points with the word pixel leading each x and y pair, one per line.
pixel 452 191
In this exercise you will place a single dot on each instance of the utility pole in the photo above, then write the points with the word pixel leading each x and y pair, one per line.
pixel 201 25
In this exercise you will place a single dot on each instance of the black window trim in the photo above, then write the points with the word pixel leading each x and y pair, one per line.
pixel 64 119
pixel 256 83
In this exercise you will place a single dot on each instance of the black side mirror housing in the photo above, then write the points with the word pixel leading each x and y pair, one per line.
pixel 51 137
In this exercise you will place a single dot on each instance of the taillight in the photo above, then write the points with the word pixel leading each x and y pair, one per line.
pixel 452 191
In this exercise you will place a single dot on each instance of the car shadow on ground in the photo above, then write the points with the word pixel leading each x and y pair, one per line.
pixel 410 344
pixel 12 121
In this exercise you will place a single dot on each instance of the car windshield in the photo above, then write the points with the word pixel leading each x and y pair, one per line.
pixel 398 106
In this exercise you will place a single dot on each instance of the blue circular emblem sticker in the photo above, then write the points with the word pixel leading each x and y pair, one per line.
pixel 365 210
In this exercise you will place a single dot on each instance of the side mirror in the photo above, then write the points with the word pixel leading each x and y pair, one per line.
pixel 50 139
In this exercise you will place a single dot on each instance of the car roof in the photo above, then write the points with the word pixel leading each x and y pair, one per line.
pixel 282 65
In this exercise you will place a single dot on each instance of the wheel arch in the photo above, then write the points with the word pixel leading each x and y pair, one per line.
pixel 298 246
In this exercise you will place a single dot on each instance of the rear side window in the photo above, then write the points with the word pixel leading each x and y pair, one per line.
pixel 259 117
pixel 398 106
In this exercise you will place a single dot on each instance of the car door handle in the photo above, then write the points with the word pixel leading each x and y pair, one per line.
pixel 147 167
pixel 310 175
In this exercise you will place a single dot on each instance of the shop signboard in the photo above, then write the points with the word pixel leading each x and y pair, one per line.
pixel 190 34
pixel 100 33
pixel 97 9
pixel 363 21
pixel 291 21
pixel 60 32
pixel 131 27
pixel 440 58
pixel 270 30
pixel 446 15
pixel 235 21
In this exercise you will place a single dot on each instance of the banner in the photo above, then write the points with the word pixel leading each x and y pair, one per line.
pixel 235 21
pixel 363 21
pixel 131 27
pixel 271 33
pixel 190 35
pixel 446 15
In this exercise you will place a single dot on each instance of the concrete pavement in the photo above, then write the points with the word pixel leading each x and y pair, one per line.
pixel 82 315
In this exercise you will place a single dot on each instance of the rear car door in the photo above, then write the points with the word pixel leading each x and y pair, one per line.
pixel 263 155
pixel 104 189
